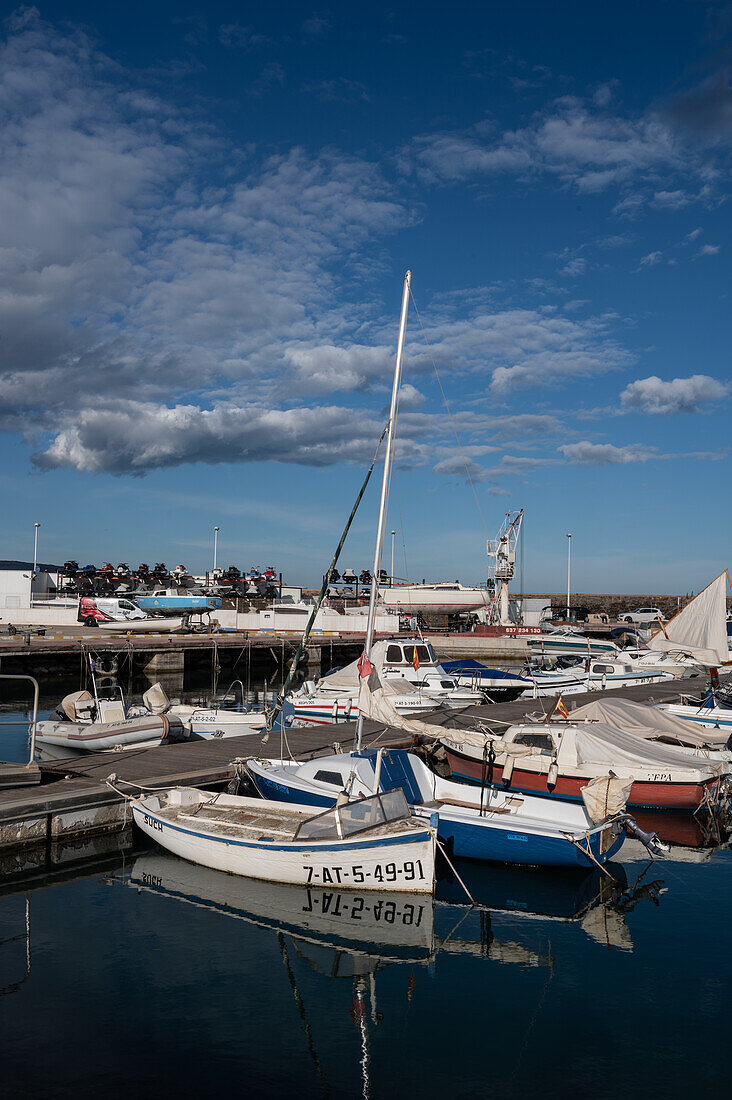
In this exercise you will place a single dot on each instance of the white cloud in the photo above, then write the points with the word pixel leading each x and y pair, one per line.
pixel 410 398
pixel 584 453
pixel 236 36
pixel 121 275
pixel 709 250
pixel 128 437
pixel 326 368
pixel 678 395
pixel 672 200
pixel 593 151
pixel 651 259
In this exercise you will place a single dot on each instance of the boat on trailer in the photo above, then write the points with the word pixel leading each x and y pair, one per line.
pixel 371 844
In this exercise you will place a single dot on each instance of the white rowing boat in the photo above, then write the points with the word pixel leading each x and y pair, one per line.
pixel 371 844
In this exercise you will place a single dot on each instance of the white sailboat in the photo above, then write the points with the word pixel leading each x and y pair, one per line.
pixel 374 843
pixel 444 598
pixel 700 630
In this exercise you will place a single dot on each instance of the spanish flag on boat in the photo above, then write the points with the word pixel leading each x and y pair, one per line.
pixel 561 709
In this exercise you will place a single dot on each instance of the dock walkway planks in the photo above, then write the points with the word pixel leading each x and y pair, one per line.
pixel 74 799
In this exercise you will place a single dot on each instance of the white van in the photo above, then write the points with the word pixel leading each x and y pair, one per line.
pixel 94 610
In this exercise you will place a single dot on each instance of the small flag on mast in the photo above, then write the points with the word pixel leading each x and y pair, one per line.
pixel 365 668
pixel 415 660
pixel 561 709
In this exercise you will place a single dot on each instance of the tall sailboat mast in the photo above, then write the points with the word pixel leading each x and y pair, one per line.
pixel 385 483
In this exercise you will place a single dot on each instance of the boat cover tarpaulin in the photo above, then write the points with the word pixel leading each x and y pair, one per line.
pixel 604 745
pixel 346 679
pixel 701 628
pixel 649 723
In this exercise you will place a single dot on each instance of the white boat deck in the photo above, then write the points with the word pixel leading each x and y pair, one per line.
pixel 248 824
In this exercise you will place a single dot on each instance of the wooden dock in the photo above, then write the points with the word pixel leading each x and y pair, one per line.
pixel 74 800
pixel 59 652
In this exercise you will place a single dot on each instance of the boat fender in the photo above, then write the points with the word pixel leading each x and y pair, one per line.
pixel 552 775
pixel 347 710
pixel 334 710
pixel 508 770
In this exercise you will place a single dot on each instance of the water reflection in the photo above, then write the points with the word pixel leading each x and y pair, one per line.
pixel 12 918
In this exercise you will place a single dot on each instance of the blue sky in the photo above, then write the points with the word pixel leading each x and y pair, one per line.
pixel 206 213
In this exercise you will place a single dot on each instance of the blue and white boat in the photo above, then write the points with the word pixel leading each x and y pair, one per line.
pixel 171 599
pixel 709 715
pixel 473 822
pixel 567 676
pixel 498 685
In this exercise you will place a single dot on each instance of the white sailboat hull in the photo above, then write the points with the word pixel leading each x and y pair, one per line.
pixel 434 598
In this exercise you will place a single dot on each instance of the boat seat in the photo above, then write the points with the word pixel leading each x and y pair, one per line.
pixel 238 819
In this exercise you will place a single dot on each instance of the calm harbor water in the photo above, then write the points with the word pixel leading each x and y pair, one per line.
pixel 137 972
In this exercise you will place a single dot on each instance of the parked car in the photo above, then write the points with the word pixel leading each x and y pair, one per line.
pixel 575 614
pixel 642 615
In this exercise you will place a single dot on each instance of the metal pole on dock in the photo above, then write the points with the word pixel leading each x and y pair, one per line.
pixel 216 546
pixel 385 484
pixel 35 549
pixel 569 566
pixel 391 575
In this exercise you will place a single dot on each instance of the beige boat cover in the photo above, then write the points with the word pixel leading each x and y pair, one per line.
pixel 701 628
pixel 650 723
pixel 606 796
pixel 77 705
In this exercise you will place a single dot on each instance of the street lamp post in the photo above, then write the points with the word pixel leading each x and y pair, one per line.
pixel 569 567
pixel 391 575
pixel 35 548
pixel 216 546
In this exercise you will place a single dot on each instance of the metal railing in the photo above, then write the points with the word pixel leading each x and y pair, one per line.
pixel 34 720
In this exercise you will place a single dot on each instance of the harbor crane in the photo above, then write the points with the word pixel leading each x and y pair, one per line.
pixel 502 562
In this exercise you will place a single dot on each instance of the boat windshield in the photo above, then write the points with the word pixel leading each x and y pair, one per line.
pixel 355 817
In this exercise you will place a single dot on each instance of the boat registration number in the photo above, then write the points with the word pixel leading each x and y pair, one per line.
pixel 354 907
pixel 153 824
pixel 660 777
pixel 409 871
